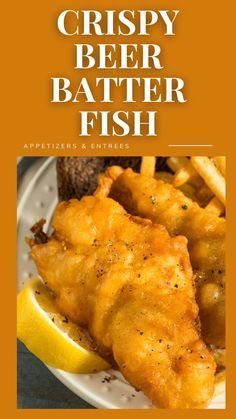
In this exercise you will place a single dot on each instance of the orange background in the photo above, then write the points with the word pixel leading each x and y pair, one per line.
pixel 201 53
pixel 198 53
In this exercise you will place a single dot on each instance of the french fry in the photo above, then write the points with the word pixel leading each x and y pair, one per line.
pixel 189 191
pixel 148 166
pixel 215 207
pixel 165 176
pixel 212 177
pixel 220 163
pixel 176 163
pixel 185 174
pixel 204 195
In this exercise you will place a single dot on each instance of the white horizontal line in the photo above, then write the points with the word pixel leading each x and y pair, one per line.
pixel 190 145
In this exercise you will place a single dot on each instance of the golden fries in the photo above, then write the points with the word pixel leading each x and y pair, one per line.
pixel 212 177
pixel 165 176
pixel 189 191
pixel 148 166
pixel 220 163
pixel 215 207
pixel 176 163
pixel 184 175
pixel 204 195
pixel 201 178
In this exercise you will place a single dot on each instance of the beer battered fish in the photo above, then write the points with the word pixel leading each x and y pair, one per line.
pixel 162 203
pixel 131 284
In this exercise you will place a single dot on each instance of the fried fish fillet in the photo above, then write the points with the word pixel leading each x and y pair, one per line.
pixel 162 203
pixel 132 285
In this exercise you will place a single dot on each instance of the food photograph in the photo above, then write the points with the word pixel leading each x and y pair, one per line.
pixel 121 280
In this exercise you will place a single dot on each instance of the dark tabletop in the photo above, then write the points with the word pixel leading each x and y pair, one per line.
pixel 37 388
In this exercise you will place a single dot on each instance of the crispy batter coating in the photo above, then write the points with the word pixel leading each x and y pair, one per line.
pixel 162 203
pixel 132 286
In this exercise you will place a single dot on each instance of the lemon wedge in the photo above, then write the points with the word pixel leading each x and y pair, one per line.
pixel 53 338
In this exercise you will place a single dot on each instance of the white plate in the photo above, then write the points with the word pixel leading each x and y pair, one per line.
pixel 109 389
